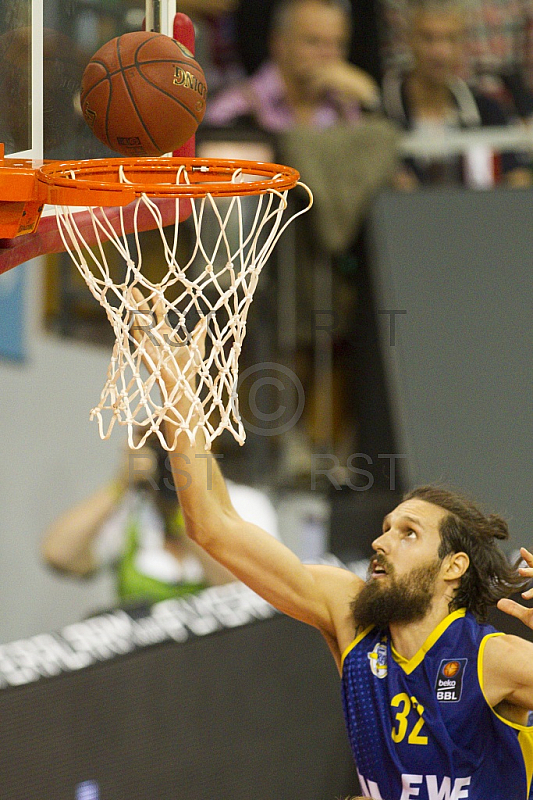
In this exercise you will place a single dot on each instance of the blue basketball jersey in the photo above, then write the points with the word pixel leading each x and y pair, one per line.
pixel 421 729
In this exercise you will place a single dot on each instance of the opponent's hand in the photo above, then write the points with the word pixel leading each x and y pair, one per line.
pixel 515 609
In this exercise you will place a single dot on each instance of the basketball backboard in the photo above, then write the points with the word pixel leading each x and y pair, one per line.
pixel 44 47
pixel 20 65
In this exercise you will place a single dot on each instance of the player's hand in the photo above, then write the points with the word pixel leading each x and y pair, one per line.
pixel 515 609
pixel 347 81
pixel 163 351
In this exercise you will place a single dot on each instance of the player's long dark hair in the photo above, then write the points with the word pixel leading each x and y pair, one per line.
pixel 465 529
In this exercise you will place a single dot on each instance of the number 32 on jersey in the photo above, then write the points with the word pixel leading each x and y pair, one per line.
pixel 401 727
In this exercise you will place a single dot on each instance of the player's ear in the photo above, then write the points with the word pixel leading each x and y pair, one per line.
pixel 456 565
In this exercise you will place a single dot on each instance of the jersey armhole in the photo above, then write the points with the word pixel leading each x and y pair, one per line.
pixel 525 732
pixel 356 641
pixel 480 657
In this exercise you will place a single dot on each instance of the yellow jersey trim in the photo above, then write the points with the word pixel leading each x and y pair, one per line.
pixel 355 641
pixel 525 735
pixel 481 653
pixel 525 740
pixel 410 664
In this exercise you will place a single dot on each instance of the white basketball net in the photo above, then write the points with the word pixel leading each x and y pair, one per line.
pixel 215 283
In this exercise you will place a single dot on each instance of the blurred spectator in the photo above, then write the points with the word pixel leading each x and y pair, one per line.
pixel 215 48
pixel 215 40
pixel 307 78
pixel 134 526
pixel 207 8
pixel 429 97
pixel 313 100
pixel 253 24
pixel 498 52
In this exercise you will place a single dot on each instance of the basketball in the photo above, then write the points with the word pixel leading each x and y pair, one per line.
pixel 143 94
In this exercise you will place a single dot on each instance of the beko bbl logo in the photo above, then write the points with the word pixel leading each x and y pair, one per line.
pixel 449 685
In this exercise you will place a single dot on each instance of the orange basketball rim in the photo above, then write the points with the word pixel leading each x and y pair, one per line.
pixel 26 186
pixel 236 210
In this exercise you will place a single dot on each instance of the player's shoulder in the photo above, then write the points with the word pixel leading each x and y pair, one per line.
pixel 506 668
pixel 339 587
pixel 500 647
pixel 505 657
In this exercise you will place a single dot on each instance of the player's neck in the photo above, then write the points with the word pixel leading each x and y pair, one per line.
pixel 407 639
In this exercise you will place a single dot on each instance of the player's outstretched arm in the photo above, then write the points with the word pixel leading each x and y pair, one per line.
pixel 317 595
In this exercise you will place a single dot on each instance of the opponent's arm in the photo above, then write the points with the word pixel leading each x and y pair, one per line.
pixel 508 663
pixel 319 595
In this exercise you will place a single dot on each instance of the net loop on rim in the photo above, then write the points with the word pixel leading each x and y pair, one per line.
pixel 209 263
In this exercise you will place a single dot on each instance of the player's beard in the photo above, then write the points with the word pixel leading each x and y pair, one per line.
pixel 383 601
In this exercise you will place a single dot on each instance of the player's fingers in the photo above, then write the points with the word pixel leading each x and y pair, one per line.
pixel 526 572
pixel 515 610
pixel 159 309
pixel 198 335
pixel 528 594
pixel 139 300
pixel 142 326
pixel 141 314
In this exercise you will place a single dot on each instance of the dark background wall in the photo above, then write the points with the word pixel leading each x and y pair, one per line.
pixel 250 712
pixel 459 264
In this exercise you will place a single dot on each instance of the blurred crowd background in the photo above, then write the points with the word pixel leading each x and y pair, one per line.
pixel 411 122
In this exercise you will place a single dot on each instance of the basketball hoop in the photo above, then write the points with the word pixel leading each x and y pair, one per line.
pixel 236 212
